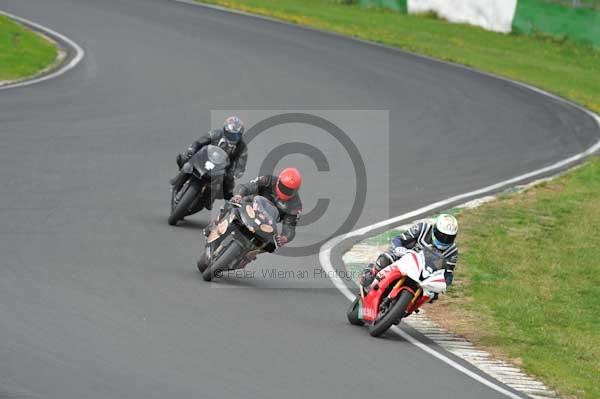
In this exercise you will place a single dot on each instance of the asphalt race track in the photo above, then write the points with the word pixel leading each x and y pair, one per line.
pixel 99 297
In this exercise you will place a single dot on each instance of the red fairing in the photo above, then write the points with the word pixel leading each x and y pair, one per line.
pixel 370 303
pixel 408 270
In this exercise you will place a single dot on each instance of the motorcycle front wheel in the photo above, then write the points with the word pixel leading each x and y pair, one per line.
pixel 393 314
pixel 181 208
pixel 352 313
pixel 202 263
pixel 230 255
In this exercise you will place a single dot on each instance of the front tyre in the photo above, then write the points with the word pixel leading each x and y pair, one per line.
pixel 182 208
pixel 202 263
pixel 352 313
pixel 394 314
pixel 230 255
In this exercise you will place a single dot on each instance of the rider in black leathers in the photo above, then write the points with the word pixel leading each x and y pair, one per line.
pixel 229 138
pixel 282 191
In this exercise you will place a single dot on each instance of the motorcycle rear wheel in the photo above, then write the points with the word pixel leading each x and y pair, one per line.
pixel 232 253
pixel 391 316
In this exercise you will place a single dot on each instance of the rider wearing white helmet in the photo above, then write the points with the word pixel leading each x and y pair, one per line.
pixel 439 236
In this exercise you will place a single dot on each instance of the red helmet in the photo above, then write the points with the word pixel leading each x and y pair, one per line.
pixel 288 182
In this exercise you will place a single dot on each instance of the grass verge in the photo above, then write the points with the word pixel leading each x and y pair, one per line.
pixel 22 52
pixel 566 68
pixel 528 285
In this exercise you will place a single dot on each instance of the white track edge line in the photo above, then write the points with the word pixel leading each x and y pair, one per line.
pixel 325 252
pixel 324 257
pixel 499 370
pixel 478 192
pixel 79 53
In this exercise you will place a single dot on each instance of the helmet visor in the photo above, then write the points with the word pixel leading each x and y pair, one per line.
pixel 231 136
pixel 444 239
pixel 285 189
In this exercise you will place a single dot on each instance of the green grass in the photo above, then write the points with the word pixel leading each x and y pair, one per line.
pixel 397 5
pixel 566 68
pixel 22 52
pixel 529 267
pixel 594 4
pixel 557 20
pixel 527 285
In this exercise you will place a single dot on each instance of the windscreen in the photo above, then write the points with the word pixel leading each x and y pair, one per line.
pixel 264 206
pixel 210 159
pixel 216 155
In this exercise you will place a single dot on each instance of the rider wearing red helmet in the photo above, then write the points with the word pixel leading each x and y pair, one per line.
pixel 282 191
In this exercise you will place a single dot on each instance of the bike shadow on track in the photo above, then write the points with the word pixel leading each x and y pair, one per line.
pixel 196 222
pixel 193 224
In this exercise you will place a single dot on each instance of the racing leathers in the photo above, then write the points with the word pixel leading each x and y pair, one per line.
pixel 417 235
pixel 289 211
pixel 237 152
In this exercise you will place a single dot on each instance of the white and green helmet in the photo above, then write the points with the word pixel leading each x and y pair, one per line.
pixel 444 231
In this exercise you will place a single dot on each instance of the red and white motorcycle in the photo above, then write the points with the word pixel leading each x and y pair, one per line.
pixel 399 290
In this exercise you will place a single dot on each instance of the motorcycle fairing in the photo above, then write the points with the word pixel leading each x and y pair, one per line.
pixel 370 303
pixel 210 160
pixel 410 266
pixel 260 213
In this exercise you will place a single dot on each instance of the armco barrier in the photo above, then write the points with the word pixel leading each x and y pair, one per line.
pixel 581 24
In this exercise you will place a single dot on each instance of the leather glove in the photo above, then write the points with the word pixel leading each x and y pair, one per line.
pixel 281 241
pixel 236 199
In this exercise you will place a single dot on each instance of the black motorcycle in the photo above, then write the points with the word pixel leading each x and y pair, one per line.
pixel 242 232
pixel 198 183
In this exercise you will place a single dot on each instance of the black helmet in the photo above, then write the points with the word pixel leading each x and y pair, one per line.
pixel 233 129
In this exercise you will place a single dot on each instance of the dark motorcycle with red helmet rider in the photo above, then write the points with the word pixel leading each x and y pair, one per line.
pixel 247 224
